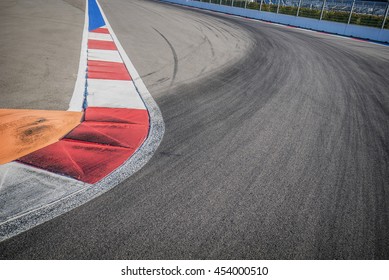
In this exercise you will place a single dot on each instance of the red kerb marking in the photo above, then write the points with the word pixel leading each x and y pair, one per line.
pixel 119 115
pixel 107 70
pixel 88 162
pixel 108 133
pixel 101 45
pixel 101 30
pixel 95 148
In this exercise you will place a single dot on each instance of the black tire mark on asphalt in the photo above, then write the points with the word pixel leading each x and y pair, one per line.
pixel 174 56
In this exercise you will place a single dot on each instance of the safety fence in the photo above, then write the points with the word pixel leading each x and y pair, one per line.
pixel 366 13
pixel 364 21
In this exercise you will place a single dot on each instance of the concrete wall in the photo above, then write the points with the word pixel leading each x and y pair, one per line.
pixel 358 31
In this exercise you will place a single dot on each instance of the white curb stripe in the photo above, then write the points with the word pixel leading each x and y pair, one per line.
pixel 104 55
pixel 99 36
pixel 113 94
pixel 130 67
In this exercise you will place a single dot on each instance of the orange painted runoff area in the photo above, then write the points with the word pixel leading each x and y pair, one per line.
pixel 25 131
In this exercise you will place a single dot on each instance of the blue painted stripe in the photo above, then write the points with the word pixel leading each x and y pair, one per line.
pixel 95 18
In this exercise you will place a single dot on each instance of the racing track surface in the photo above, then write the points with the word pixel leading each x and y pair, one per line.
pixel 276 149
pixel 39 52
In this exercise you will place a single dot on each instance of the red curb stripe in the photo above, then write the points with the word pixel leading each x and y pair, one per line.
pixel 101 30
pixel 107 70
pixel 118 115
pixel 105 139
pixel 95 148
pixel 88 162
pixel 114 134
pixel 101 45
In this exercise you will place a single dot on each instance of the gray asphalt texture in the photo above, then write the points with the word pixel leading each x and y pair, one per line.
pixel 280 152
pixel 39 52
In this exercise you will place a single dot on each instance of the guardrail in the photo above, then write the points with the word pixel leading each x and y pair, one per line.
pixel 360 19
pixel 365 13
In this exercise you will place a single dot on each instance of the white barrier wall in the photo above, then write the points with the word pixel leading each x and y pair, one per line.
pixel 357 31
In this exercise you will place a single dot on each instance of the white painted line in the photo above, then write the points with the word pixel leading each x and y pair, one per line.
pixel 77 101
pixel 99 36
pixel 104 55
pixel 113 94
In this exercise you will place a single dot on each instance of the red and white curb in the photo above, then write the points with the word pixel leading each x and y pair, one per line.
pixel 121 130
pixel 116 120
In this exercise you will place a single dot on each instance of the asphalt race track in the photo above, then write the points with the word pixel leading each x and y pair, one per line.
pixel 40 52
pixel 276 147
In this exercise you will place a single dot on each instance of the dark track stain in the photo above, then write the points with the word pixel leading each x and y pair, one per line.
pixel 28 135
pixel 174 56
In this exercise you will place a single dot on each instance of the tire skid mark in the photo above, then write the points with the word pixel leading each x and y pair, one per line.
pixel 174 56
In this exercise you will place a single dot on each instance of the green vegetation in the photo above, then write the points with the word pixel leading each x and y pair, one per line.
pixel 239 4
pixel 309 13
pixel 288 10
pixel 337 16
pixel 253 5
pixel 227 2
pixel 369 20
pixel 269 8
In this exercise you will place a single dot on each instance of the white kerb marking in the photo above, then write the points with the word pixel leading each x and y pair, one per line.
pixel 104 55
pixel 113 94
pixel 99 36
